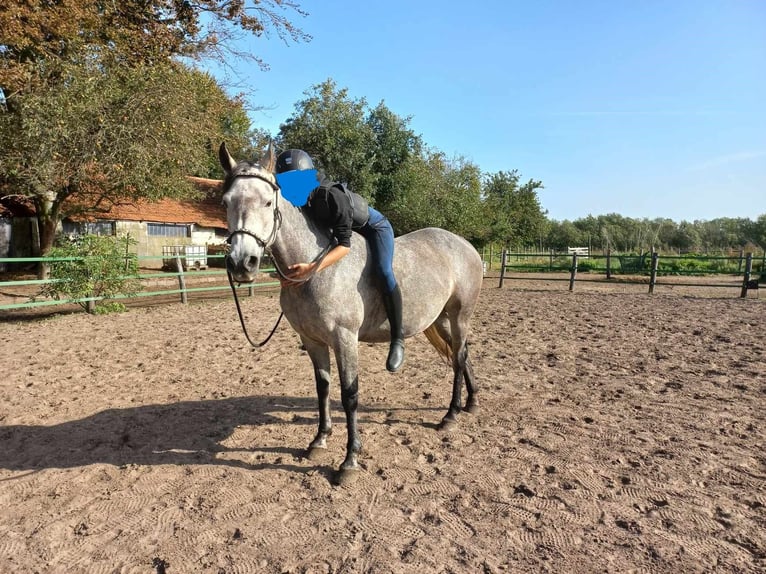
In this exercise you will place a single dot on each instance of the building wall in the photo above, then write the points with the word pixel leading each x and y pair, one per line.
pixel 18 238
pixel 149 247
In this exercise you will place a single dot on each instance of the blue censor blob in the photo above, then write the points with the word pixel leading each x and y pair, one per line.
pixel 296 185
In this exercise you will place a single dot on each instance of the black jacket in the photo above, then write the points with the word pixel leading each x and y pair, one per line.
pixel 333 206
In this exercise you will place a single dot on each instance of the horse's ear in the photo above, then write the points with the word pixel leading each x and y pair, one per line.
pixel 227 162
pixel 269 159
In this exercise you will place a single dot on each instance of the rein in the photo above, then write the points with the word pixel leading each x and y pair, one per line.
pixel 266 246
pixel 242 319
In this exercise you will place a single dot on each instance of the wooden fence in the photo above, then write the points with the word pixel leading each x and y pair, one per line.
pixel 614 269
pixel 617 269
pixel 217 284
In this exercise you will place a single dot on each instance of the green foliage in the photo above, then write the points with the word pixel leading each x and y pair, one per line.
pixel 93 266
pixel 625 234
pixel 588 265
pixel 109 307
pixel 380 157
pixel 332 128
pixel 89 136
pixel 513 209
pixel 132 33
pixel 100 107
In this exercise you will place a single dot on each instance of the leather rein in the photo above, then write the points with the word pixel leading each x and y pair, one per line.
pixel 266 246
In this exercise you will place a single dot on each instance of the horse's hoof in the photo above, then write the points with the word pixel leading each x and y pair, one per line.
pixel 346 476
pixel 447 425
pixel 316 453
pixel 471 408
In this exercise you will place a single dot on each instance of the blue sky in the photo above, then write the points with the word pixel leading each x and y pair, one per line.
pixel 644 108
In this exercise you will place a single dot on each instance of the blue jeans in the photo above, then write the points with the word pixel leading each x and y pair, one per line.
pixel 380 235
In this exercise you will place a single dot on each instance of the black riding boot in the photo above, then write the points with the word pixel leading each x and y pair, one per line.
pixel 393 303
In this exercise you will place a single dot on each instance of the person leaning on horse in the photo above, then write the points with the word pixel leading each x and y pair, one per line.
pixel 333 206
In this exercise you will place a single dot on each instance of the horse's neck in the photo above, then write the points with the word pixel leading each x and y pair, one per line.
pixel 298 240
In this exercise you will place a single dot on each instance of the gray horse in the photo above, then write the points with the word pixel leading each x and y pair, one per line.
pixel 439 273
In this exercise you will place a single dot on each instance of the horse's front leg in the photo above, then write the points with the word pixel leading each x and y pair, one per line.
pixel 347 357
pixel 320 358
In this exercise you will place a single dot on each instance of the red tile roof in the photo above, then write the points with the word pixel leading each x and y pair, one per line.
pixel 205 212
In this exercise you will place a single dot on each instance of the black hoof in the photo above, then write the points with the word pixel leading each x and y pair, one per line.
pixel 346 476
pixel 471 408
pixel 316 453
pixel 447 424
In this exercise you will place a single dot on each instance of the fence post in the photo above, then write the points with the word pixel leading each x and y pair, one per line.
pixel 181 279
pixel 573 274
pixel 608 263
pixel 748 271
pixel 502 267
pixel 653 276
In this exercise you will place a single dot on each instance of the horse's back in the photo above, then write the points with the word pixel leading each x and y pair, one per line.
pixel 436 255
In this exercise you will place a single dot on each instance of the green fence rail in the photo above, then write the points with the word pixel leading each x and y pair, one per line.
pixel 617 268
pixel 147 278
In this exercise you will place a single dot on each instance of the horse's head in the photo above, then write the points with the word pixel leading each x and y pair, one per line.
pixel 251 197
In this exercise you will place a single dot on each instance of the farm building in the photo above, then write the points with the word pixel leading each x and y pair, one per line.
pixel 157 227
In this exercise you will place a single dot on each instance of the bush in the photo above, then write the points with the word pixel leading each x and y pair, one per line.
pixel 587 265
pixel 94 266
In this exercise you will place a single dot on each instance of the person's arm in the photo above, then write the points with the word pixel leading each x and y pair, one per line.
pixel 301 271
pixel 340 219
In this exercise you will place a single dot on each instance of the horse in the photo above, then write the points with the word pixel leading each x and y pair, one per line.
pixel 439 273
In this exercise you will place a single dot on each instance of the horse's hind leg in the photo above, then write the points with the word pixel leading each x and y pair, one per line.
pixel 471 402
pixel 459 358
pixel 452 333
pixel 320 358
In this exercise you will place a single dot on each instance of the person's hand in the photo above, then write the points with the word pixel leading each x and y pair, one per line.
pixel 296 274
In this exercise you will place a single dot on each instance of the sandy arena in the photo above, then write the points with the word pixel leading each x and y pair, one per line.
pixel 618 432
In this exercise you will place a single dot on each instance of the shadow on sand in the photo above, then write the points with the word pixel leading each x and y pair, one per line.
pixel 187 432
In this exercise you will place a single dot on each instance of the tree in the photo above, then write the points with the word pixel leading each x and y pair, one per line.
pixel 564 234
pixel 685 238
pixel 333 129
pixel 132 32
pixel 90 136
pixel 514 208
pixel 394 145
pixel 99 109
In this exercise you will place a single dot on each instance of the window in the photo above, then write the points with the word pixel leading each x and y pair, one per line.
pixel 99 228
pixel 88 228
pixel 167 230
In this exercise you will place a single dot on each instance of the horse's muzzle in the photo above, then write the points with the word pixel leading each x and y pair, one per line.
pixel 243 270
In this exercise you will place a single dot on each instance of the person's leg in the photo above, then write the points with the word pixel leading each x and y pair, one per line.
pixel 380 236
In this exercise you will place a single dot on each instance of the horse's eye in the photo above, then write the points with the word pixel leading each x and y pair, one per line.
pixel 268 204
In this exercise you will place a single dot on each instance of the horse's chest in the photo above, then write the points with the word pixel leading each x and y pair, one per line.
pixel 319 318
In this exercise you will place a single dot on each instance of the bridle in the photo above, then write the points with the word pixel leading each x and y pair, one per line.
pixel 266 246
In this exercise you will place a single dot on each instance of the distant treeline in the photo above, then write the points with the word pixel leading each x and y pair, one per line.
pixel 628 235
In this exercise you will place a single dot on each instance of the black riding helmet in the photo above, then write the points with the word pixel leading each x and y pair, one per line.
pixel 294 160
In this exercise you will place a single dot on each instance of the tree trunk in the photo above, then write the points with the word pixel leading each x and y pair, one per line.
pixel 47 221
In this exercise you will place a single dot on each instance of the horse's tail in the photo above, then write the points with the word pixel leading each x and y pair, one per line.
pixel 440 343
